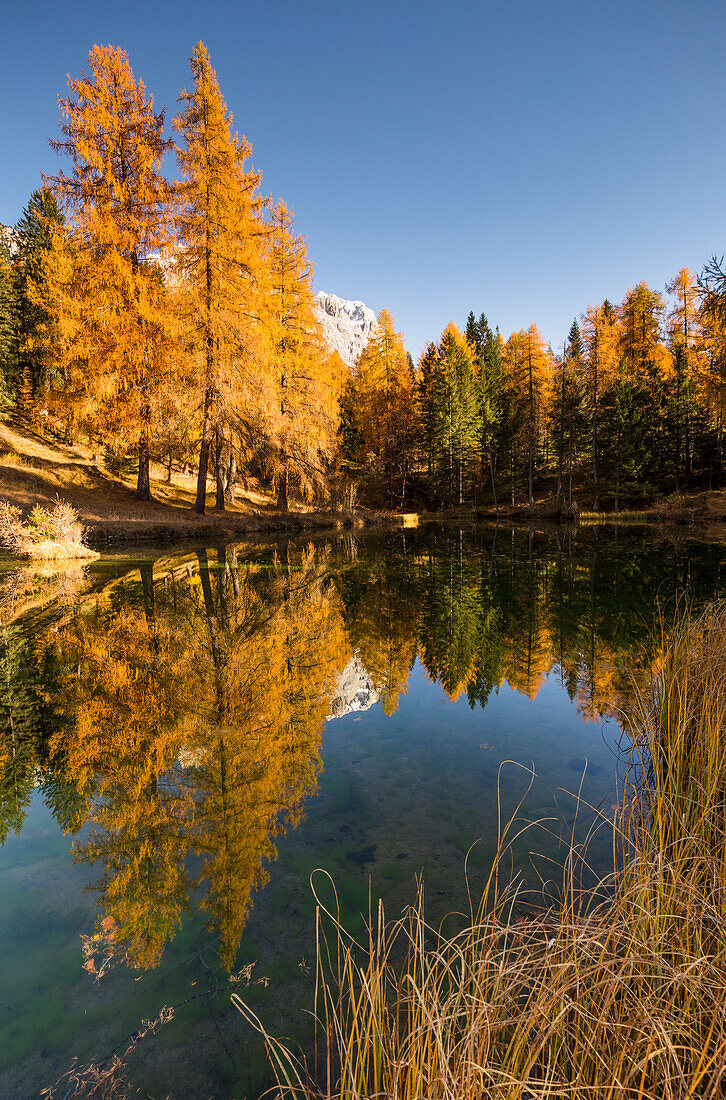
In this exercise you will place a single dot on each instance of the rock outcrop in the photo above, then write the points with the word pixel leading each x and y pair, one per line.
pixel 348 325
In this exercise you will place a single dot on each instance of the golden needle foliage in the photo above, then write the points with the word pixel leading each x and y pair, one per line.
pixel 110 302
pixel 219 266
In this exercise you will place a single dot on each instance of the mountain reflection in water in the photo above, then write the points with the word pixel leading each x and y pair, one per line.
pixel 172 716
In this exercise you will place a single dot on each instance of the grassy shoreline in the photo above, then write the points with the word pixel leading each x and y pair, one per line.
pixel 611 990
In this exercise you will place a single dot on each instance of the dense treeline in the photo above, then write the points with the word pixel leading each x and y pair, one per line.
pixel 632 407
pixel 167 320
pixel 172 320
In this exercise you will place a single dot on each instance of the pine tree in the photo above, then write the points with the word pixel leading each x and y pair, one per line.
pixel 35 232
pixel 426 403
pixel 685 335
pixel 113 307
pixel 457 423
pixel 8 323
pixel 487 355
pixel 220 270
pixel 601 340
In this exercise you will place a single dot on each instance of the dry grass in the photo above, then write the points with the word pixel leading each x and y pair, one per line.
pixel 616 990
pixel 55 535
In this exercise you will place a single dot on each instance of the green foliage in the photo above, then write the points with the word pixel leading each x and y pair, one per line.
pixel 40 219
pixel 456 419
pixel 8 323
pixel 18 730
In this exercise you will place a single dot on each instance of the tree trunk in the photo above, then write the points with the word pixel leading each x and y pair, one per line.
pixel 219 471
pixel 201 498
pixel 494 486
pixel 230 487
pixel 143 487
pixel 678 424
pixel 282 504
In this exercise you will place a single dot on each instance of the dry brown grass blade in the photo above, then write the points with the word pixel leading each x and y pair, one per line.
pixel 615 991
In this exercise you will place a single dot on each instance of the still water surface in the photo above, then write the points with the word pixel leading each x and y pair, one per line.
pixel 187 735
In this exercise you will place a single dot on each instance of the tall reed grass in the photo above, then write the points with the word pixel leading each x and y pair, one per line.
pixel 616 989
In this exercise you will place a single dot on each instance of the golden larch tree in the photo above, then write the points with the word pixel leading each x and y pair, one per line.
pixel 383 397
pixel 219 263
pixel 600 335
pixel 304 373
pixel 640 314
pixel 685 340
pixel 529 369
pixel 111 303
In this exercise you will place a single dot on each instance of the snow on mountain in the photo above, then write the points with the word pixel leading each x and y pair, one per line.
pixel 354 690
pixel 347 325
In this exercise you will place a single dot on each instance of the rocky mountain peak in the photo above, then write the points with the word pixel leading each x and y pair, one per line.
pixel 348 325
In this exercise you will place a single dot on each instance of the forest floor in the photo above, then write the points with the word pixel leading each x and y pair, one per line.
pixel 35 468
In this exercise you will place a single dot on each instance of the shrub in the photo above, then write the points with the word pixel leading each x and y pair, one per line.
pixel 676 508
pixel 47 535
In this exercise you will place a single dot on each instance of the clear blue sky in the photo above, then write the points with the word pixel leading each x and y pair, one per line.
pixel 521 158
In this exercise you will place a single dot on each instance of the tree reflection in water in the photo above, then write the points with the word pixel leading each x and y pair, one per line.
pixel 173 718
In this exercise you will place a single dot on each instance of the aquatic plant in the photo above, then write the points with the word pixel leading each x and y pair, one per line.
pixel 616 989
pixel 45 535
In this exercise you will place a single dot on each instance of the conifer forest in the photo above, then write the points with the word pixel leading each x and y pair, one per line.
pixel 362 691
pixel 157 305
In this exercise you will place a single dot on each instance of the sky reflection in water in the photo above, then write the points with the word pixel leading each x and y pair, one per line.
pixel 165 717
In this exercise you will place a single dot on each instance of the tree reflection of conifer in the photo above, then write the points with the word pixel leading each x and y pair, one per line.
pixel 178 714
pixel 18 730
pixel 197 710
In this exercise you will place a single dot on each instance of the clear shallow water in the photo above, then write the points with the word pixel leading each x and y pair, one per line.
pixel 167 767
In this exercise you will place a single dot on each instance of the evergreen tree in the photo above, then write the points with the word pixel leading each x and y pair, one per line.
pixel 492 400
pixel 34 234
pixel 457 420
pixel 426 403
pixel 8 323
pixel 568 409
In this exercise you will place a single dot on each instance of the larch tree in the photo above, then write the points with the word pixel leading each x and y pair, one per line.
pixel 113 306
pixel 684 338
pixel 600 335
pixel 383 388
pixel 304 431
pixel 219 264
pixel 640 315
pixel 530 369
